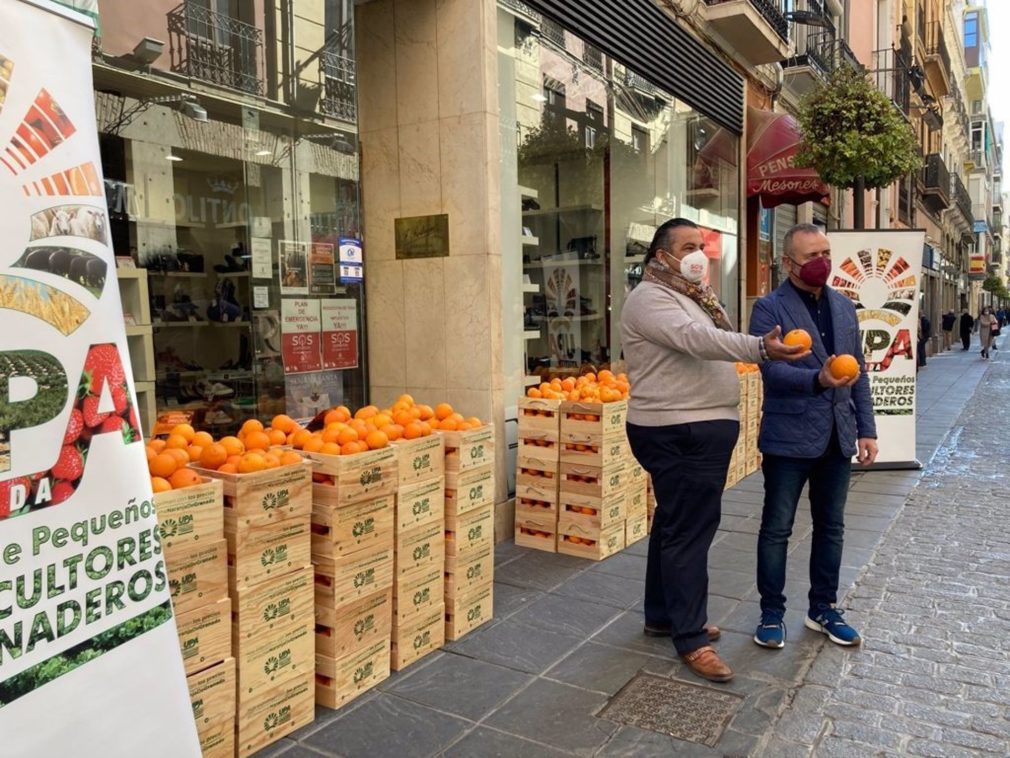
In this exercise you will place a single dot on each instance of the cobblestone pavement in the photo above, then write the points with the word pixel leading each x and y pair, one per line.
pixel 931 600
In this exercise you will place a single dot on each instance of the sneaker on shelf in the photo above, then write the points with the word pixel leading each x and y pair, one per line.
pixel 771 632
pixel 829 620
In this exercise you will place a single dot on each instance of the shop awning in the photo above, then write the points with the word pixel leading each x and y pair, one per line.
pixel 773 140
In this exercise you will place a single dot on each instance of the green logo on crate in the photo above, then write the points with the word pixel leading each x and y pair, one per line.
pixel 277 718
pixel 168 528
pixel 615 511
pixel 474 613
pixel 422 551
pixel 422 596
pixel 273 555
pixel 615 480
pixel 198 708
pixel 362 528
pixel 612 543
pixel 363 672
pixel 363 625
pixel 278 499
pixel 181 586
pixel 191 647
pixel 371 476
pixel 476 492
pixel 422 506
pixel 476 452
pixel 277 662
pixel 274 611
pixel 364 577
pixel 475 533
pixel 424 638
pixel 422 462
pixel 474 572
pixel 615 419
pixel 615 450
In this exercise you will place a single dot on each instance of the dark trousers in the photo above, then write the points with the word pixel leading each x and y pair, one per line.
pixel 966 339
pixel 784 481
pixel 688 464
pixel 921 356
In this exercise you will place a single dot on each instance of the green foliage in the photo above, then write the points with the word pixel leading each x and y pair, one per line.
pixel 852 131
pixel 995 286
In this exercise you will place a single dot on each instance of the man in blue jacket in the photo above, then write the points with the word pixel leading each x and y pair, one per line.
pixel 813 424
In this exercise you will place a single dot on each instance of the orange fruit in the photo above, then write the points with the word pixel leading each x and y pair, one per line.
pixel 844 367
pixel 443 411
pixel 407 399
pixel 300 438
pixel 413 430
pixel 176 442
pixel 160 484
pixel 313 445
pixel 799 337
pixel 376 440
pixel 203 439
pixel 426 429
pixel 283 423
pixel 290 458
pixel 151 453
pixel 359 426
pixel 403 417
pixel 347 434
pixel 252 425
pixel 233 459
pixel 163 465
pixel 233 445
pixel 447 425
pixel 331 434
pixel 251 463
pixel 257 440
pixel 213 456
pixel 426 412
pixel 367 412
pixel 330 448
pixel 180 455
pixel 184 430
pixel 340 413
pixel 228 468
pixel 194 452
pixel 156 445
pixel 533 392
pixel 393 431
pixel 272 460
pixel 277 437
pixel 184 477
pixel 381 420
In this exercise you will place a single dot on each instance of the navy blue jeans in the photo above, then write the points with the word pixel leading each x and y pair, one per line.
pixel 688 464
pixel 784 480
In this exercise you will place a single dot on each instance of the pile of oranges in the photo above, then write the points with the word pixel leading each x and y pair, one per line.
pixel 604 387
pixel 746 368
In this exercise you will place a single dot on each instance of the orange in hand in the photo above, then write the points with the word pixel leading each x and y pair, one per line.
pixel 799 337
pixel 844 367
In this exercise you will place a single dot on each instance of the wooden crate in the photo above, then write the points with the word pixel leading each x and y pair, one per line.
pixel 281 710
pixel 192 514
pixel 538 531
pixel 635 473
pixel 539 445
pixel 343 580
pixel 468 572
pixel 604 419
pixel 537 479
pixel 350 479
pixel 466 612
pixel 414 641
pixel 352 528
pixel 415 593
pixel 539 414
pixel 469 532
pixel 260 553
pixel 212 695
pixel 592 513
pixel 637 500
pixel 277 604
pixel 420 504
pixel 205 635
pixel 595 482
pixel 341 631
pixel 536 508
pixel 197 574
pixel 594 449
pixel 265 660
pixel 340 680
pixel 465 451
pixel 217 740
pixel 595 545
pixel 467 490
pixel 419 548
pixel 267 497
pixel 420 459
pixel 636 529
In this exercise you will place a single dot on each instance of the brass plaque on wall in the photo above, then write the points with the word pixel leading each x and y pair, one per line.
pixel 422 237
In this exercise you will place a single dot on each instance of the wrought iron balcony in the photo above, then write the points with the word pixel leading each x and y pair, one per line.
pixel 771 12
pixel 340 80
pixel 961 199
pixel 523 9
pixel 937 59
pixel 936 183
pixel 216 48
pixel 592 56
pixel 890 74
pixel 553 32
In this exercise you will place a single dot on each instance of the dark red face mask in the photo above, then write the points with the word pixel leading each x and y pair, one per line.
pixel 814 273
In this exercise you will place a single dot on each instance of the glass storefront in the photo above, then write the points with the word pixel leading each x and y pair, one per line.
pixel 601 157
pixel 241 230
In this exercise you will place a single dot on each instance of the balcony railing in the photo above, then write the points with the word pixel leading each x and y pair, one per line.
pixel 936 179
pixel 937 45
pixel 846 56
pixel 523 8
pixel 891 76
pixel 340 80
pixel 216 48
pixel 592 57
pixel 553 32
pixel 771 12
pixel 979 159
pixel 961 199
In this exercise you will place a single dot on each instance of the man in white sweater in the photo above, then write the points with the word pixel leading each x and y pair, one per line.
pixel 683 422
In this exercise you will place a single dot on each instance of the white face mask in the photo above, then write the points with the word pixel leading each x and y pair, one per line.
pixel 694 266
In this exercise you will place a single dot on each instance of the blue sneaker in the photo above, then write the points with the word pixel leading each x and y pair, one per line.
pixel 828 620
pixel 771 632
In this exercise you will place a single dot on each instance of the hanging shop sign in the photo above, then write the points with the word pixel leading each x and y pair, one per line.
pixel 88 645
pixel 881 272
pixel 340 333
pixel 300 336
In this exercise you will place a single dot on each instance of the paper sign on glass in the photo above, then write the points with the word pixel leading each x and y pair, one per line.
pixel 340 333
pixel 300 330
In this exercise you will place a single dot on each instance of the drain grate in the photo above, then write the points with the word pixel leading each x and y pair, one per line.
pixel 682 710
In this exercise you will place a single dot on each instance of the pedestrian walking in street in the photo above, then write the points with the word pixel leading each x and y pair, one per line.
pixel 1001 317
pixel 949 319
pixel 925 333
pixel 967 325
pixel 987 324
pixel 683 423
pixel 813 424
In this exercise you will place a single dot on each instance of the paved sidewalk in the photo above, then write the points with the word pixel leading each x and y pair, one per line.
pixel 567 633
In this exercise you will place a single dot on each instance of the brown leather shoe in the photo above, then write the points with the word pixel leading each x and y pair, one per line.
pixel 652 630
pixel 707 664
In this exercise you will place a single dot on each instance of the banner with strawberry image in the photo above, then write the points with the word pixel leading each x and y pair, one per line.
pixel 89 653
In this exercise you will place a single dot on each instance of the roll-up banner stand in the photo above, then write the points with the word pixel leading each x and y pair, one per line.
pixel 89 657
pixel 881 273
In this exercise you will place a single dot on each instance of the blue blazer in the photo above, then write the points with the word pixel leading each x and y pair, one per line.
pixel 797 419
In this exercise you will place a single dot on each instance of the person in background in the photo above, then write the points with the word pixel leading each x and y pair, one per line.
pixel 1001 317
pixel 986 325
pixel 949 319
pixel 683 424
pixel 967 324
pixel 925 332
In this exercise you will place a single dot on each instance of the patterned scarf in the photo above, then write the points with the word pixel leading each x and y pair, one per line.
pixel 702 294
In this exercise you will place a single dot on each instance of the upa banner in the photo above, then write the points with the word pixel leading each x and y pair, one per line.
pixel 881 273
pixel 89 655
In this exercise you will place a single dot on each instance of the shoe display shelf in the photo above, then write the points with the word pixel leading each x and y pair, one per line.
pixel 133 291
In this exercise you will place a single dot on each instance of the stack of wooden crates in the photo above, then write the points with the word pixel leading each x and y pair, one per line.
pixel 191 525
pixel 469 530
pixel 746 457
pixel 267 526
pixel 353 540
pixel 538 464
